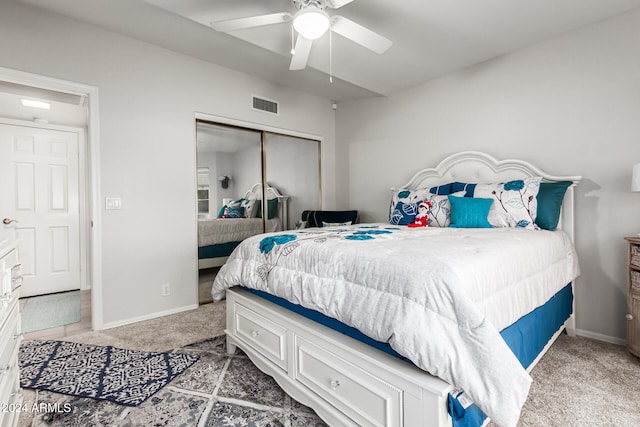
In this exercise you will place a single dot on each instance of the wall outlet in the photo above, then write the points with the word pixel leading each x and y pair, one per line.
pixel 166 290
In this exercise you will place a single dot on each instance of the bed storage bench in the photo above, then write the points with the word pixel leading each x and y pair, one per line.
pixel 359 383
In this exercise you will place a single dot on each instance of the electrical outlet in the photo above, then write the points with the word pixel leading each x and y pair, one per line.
pixel 166 290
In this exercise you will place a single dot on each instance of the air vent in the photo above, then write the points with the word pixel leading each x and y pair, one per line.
pixel 266 105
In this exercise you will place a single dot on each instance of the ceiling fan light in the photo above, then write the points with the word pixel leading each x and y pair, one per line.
pixel 311 22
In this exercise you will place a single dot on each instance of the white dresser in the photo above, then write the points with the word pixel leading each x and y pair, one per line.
pixel 10 336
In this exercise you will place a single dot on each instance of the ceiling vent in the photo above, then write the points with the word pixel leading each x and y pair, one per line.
pixel 266 105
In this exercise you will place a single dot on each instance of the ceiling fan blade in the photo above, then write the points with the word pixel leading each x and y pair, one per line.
pixel 250 22
pixel 335 4
pixel 301 53
pixel 359 34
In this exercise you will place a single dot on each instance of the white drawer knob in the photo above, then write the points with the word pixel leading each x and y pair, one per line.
pixel 255 333
pixel 334 384
pixel 629 316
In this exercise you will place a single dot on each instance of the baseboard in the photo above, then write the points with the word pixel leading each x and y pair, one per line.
pixel 115 324
pixel 600 337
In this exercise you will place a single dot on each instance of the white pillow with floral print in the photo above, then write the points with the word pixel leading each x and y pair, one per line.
pixel 515 202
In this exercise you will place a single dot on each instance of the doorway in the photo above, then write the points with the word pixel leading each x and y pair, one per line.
pixel 67 131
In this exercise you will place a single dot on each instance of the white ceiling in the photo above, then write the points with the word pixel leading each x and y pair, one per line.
pixel 430 37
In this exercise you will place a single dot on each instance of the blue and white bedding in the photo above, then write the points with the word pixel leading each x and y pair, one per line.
pixel 438 296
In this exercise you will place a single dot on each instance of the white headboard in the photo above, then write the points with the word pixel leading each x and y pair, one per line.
pixel 477 167
pixel 255 193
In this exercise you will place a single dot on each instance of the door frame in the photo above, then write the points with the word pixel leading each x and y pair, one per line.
pixel 89 163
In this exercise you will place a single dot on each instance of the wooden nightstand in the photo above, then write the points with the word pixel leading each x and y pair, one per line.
pixel 633 295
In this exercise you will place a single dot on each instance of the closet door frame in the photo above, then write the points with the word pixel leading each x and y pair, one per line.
pixel 219 120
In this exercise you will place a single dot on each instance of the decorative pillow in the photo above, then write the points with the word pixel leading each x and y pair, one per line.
pixel 249 206
pixel 234 212
pixel 231 204
pixel 404 205
pixel 550 199
pixel 335 224
pixel 515 202
pixel 272 208
pixel 470 212
pixel 439 214
pixel 454 187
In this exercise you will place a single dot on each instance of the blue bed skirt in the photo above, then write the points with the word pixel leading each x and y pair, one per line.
pixel 217 251
pixel 527 337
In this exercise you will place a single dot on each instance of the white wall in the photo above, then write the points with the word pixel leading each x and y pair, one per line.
pixel 148 99
pixel 571 105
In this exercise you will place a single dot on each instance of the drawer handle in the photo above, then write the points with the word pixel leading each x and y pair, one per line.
pixel 255 333
pixel 16 393
pixel 334 384
pixel 18 336
pixel 4 371
pixel 629 316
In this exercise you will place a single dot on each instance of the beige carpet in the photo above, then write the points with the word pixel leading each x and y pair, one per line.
pixel 579 382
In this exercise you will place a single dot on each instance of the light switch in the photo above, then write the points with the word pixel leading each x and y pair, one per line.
pixel 113 203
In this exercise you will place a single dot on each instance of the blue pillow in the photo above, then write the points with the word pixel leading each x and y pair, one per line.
pixel 468 212
pixel 550 196
pixel 404 213
pixel 272 208
pixel 234 212
pixel 454 187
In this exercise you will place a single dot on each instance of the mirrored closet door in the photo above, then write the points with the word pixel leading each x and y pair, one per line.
pixel 292 165
pixel 249 182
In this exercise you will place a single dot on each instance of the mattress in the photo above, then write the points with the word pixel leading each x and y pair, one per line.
pixel 223 230
pixel 437 296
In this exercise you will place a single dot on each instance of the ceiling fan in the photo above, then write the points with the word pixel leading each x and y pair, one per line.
pixel 311 21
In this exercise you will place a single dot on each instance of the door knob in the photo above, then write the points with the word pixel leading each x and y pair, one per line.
pixel 8 221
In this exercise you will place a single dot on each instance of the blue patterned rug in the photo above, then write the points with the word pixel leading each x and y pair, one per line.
pixel 126 377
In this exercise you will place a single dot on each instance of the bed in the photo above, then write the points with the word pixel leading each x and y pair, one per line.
pixel 373 324
pixel 218 237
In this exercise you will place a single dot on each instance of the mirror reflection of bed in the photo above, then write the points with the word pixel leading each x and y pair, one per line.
pixel 233 163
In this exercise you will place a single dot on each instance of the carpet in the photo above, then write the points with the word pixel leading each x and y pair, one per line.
pixel 219 390
pixel 50 311
pixel 125 377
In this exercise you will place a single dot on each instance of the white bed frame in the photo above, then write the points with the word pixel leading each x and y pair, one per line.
pixel 345 381
pixel 254 193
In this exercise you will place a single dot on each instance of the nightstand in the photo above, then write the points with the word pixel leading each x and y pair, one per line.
pixel 633 295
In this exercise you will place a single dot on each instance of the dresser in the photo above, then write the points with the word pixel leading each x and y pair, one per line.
pixel 633 295
pixel 10 337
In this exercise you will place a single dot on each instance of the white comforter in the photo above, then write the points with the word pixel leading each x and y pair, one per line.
pixel 437 296
pixel 223 230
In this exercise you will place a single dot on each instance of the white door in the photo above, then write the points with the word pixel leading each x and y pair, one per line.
pixel 39 198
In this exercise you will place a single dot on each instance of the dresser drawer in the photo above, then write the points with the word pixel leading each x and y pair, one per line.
pixel 367 400
pixel 634 255
pixel 10 393
pixel 10 339
pixel 264 335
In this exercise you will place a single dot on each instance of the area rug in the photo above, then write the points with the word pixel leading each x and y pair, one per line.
pixel 219 390
pixel 125 377
pixel 50 311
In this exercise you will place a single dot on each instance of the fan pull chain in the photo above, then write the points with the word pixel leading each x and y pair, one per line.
pixel 330 55
pixel 293 43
